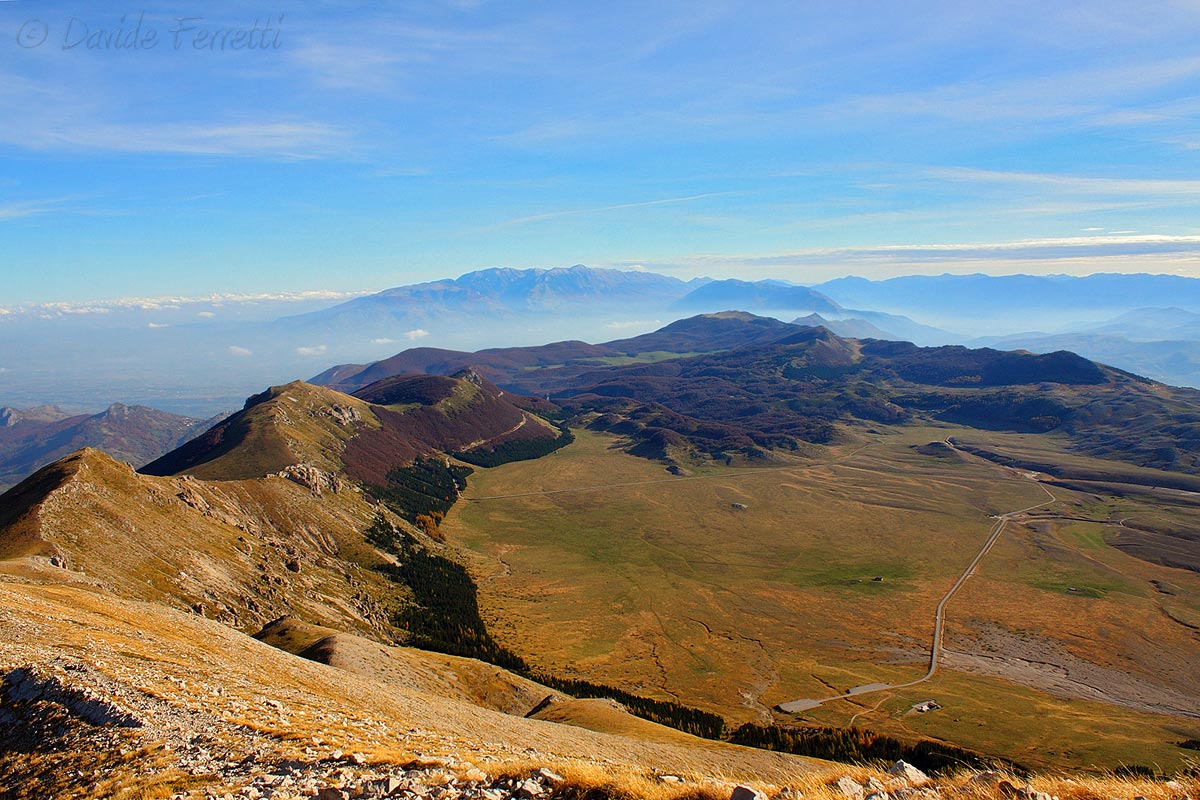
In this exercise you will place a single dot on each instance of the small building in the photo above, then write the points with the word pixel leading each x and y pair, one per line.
pixel 926 706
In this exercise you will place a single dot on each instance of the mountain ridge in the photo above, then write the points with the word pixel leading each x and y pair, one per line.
pixel 815 379
pixel 31 439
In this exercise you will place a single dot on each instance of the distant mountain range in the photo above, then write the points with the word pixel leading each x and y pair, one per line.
pixel 588 295
pixel 1153 324
pixel 1160 343
pixel 32 438
pixel 760 295
pixel 134 356
pixel 736 384
pixel 850 328
pixel 703 334
pixel 1001 295
pixel 585 293
pixel 499 293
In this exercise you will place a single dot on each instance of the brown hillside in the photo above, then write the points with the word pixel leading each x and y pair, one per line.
pixel 463 679
pixel 243 552
pixel 230 708
pixel 427 414
pixel 285 425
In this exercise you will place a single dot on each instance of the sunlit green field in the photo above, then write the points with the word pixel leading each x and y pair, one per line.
pixel 826 579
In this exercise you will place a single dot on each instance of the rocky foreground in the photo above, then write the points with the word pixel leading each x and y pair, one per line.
pixel 51 711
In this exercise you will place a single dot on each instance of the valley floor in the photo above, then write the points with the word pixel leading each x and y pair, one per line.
pixel 739 589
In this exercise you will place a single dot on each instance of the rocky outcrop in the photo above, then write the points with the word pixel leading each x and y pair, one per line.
pixel 317 481
pixel 914 776
pixel 343 415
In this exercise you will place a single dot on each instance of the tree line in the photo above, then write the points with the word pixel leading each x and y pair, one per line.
pixel 516 449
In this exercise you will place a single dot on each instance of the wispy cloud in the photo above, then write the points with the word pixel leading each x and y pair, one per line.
pixel 418 333
pixel 1081 255
pixel 314 350
pixel 239 352
pixel 1089 94
pixel 401 53
pixel 1072 183
pixel 29 208
pixel 88 113
pixel 292 139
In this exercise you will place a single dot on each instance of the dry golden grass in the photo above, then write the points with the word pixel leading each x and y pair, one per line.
pixel 450 677
pixel 198 667
pixel 219 681
pixel 666 589
pixel 223 548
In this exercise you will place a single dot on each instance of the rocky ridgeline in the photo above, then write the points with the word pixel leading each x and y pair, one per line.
pixel 437 779
pixel 353 779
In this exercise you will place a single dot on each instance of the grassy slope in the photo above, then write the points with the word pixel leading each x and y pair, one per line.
pixel 463 679
pixel 736 610
pixel 182 660
pixel 290 424
pixel 122 531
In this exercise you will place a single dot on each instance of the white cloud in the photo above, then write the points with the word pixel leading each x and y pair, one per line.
pixel 280 139
pixel 315 350
pixel 28 209
pixel 240 352
pixel 1073 183
pixel 1078 255
pixel 157 325
pixel 60 308
pixel 383 340
pixel 413 335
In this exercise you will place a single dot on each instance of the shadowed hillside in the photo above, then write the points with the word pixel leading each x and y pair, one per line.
pixel 735 385
pixel 33 438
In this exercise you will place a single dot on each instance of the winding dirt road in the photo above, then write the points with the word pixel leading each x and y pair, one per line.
pixel 939 621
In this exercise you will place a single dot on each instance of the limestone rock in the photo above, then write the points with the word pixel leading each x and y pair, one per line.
pixel 848 787
pixel 548 776
pixel 529 790
pixel 910 773
pixel 317 481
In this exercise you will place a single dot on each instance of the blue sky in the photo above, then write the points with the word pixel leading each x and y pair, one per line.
pixel 380 146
